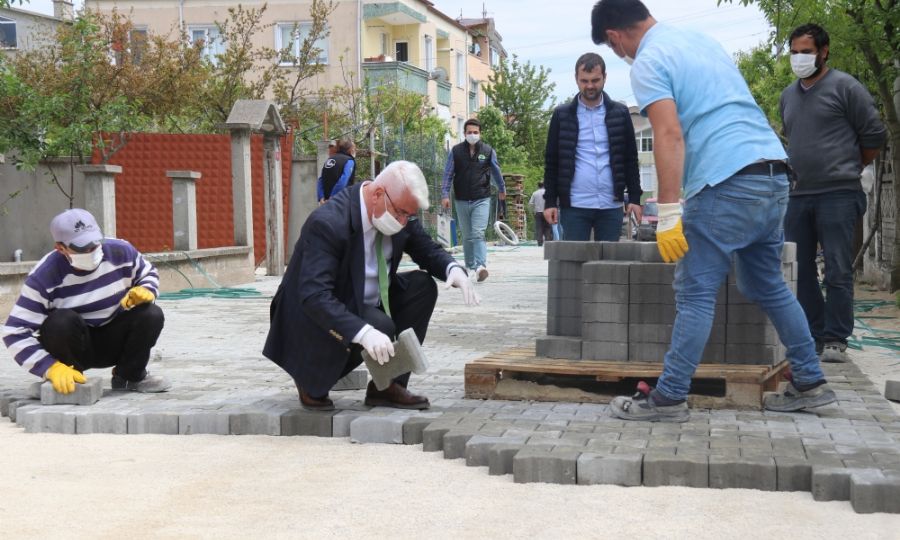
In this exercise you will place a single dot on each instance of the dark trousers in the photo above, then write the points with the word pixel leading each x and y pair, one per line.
pixel 412 296
pixel 123 343
pixel 542 229
pixel 829 220
pixel 579 223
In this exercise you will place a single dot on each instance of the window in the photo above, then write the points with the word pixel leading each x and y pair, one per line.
pixel 429 54
pixel 138 44
pixel 289 38
pixel 209 38
pixel 460 128
pixel 460 70
pixel 121 53
pixel 8 34
pixel 473 95
pixel 475 48
pixel 495 57
pixel 401 48
pixel 384 44
pixel 644 141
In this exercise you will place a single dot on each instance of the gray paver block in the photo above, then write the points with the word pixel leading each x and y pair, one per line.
pixel 763 334
pixel 455 443
pixel 203 422
pixel 608 272
pixel 477 451
pixel 872 490
pixel 789 252
pixel 594 331
pixel 340 423
pixel 500 458
pixel 162 423
pixel 357 379
pixel 84 394
pixel 650 333
pixel 659 273
pixel 558 289
pixel 303 422
pixel 255 423
pixel 604 312
pixel 617 469
pixel 651 313
pixel 378 429
pixel 679 470
pixel 558 347
pixel 604 292
pixel 745 314
pixel 560 250
pixel 408 358
pixel 611 351
pixel 414 427
pixel 620 251
pixel 647 352
pixel 747 473
pixel 433 436
pixel 533 464
pixel 753 354
pixel 8 405
pixel 892 390
pixel 101 422
pixel 568 307
pixel 651 293
pixel 570 270
pixel 45 419
pixel 830 483
pixel 793 474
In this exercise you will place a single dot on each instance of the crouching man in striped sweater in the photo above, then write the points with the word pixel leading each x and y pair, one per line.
pixel 87 304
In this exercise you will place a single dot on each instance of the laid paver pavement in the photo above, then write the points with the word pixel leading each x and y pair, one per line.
pixel 211 351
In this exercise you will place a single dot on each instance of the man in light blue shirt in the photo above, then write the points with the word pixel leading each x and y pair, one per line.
pixel 712 139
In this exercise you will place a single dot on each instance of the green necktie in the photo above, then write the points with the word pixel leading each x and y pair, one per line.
pixel 383 281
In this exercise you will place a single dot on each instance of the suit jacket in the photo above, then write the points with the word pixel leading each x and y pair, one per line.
pixel 315 312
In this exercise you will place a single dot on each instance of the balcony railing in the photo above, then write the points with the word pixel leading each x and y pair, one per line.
pixel 443 93
pixel 404 75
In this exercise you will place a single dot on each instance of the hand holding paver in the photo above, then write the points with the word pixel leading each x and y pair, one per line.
pixel 136 296
pixel 409 358
pixel 63 377
pixel 378 345
pixel 458 278
pixel 670 238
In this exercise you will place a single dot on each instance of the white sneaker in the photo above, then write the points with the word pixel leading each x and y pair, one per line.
pixel 481 273
pixel 834 352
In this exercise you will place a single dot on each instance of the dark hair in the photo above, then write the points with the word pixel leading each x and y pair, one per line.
pixel 615 15
pixel 345 144
pixel 540 185
pixel 819 35
pixel 472 122
pixel 589 61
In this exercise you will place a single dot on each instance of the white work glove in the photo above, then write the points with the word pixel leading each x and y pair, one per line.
pixel 378 345
pixel 458 278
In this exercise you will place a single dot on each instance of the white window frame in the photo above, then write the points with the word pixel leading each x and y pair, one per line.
pixel 14 24
pixel 211 46
pixel 385 44
pixel 460 70
pixel 299 35
pixel 429 53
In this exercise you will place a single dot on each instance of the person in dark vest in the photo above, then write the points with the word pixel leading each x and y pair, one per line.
pixel 470 167
pixel 338 172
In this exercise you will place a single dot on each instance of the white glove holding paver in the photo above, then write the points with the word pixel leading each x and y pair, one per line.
pixel 378 345
pixel 458 278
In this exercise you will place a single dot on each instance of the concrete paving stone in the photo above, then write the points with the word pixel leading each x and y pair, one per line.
pixel 620 251
pixel 564 326
pixel 651 313
pixel 604 292
pixel 559 250
pixel 378 429
pixel 713 353
pixel 610 351
pixel 101 422
pixel 161 423
pixel 557 466
pixel 561 289
pixel 892 390
pixel 687 470
pixel 663 441
pixel 255 422
pixel 14 406
pixel 500 458
pixel 873 490
pixel 652 273
pixel 568 270
pixel 357 379
pixel 745 473
pixel 753 354
pixel 608 272
pixel 830 483
pixel 604 312
pixel 760 334
pixel 651 293
pixel 409 357
pixel 650 333
pixel 745 314
pixel 789 252
pixel 414 427
pixel 203 422
pixel 620 470
pixel 84 394
pixel 478 448
pixel 313 423
pixel 647 352
pixel 558 347
pixel 793 474
pixel 433 436
pixel 455 443
pixel 46 419
pixel 340 422
pixel 567 307
pixel 600 447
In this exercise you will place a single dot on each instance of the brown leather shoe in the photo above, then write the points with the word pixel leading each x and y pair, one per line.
pixel 314 404
pixel 394 396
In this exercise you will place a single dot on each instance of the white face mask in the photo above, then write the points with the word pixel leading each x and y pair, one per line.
pixel 473 138
pixel 628 60
pixel 386 223
pixel 803 65
pixel 86 261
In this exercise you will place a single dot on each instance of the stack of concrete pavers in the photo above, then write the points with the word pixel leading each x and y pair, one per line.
pixel 614 301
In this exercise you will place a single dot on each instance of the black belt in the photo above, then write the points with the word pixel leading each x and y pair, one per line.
pixel 765 168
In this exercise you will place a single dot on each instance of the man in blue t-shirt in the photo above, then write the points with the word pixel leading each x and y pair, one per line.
pixel 712 141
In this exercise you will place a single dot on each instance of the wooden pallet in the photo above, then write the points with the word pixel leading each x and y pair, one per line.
pixel 517 374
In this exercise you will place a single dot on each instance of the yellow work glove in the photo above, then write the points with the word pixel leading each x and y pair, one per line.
pixel 63 377
pixel 670 238
pixel 136 296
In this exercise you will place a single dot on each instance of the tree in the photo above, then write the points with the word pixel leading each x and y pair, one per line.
pixel 864 43
pixel 767 76
pixel 501 138
pixel 522 92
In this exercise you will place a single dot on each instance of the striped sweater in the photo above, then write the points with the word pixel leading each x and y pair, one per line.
pixel 95 295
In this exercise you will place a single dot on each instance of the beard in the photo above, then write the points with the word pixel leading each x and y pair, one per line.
pixel 591 94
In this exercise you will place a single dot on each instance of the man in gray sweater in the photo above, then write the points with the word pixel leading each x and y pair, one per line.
pixel 833 131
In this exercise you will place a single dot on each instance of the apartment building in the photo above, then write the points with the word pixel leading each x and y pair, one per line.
pixel 22 30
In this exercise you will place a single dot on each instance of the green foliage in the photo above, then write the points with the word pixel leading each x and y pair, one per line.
pixel 503 139
pixel 766 76
pixel 523 94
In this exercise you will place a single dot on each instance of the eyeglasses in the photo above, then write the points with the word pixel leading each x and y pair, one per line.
pixel 89 248
pixel 401 213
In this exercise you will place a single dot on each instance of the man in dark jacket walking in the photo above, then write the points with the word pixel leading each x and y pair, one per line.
pixel 338 172
pixel 591 160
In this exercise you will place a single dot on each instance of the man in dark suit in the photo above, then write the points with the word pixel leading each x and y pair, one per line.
pixel 342 294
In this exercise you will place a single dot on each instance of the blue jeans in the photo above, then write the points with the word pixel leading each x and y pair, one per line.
pixel 741 217
pixel 577 224
pixel 828 219
pixel 473 220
